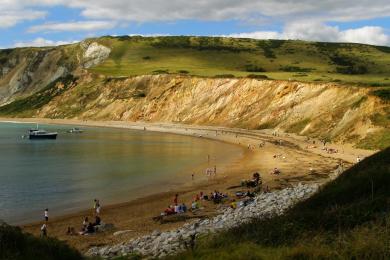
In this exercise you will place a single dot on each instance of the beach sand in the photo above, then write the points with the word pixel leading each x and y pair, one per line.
pixel 295 157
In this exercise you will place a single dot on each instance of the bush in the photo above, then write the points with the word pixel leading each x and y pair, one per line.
pixel 146 58
pixel 160 72
pixel 224 76
pixel 183 71
pixel 295 69
pixel 256 76
pixel 254 68
pixel 384 94
pixel 352 70
pixel 16 245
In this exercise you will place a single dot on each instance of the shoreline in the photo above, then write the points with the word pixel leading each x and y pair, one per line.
pixel 136 214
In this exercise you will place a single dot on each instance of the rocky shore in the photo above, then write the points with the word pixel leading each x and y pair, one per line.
pixel 160 244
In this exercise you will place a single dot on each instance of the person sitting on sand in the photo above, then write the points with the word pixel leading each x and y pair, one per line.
pixel 90 228
pixel 194 205
pixel 169 210
pixel 233 204
pixel 98 221
pixel 275 171
pixel 85 222
pixel 184 208
pixel 70 231
pixel 250 194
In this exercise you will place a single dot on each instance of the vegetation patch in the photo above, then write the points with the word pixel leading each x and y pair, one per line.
pixel 378 140
pixel 383 94
pixel 295 69
pixel 40 98
pixel 299 126
pixel 16 245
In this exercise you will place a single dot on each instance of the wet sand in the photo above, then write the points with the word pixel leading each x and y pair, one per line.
pixel 295 156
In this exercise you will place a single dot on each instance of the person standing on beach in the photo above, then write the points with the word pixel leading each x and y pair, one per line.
pixel 175 199
pixel 215 170
pixel 46 214
pixel 44 230
pixel 97 207
pixel 192 176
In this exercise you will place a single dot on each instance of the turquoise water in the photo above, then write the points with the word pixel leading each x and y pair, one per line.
pixel 114 165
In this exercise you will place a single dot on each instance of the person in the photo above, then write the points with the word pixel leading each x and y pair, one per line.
pixel 96 205
pixel 215 170
pixel 70 231
pixel 169 210
pixel 233 205
pixel 44 230
pixel 90 228
pixel 98 208
pixel 175 199
pixel 184 208
pixel 85 222
pixel 358 159
pixel 46 214
pixel 98 221
pixel 276 171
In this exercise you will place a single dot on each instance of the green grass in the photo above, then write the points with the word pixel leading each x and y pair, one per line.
pixel 348 219
pixel 16 245
pixel 208 56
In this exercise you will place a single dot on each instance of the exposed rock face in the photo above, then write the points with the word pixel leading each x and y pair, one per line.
pixel 25 71
pixel 324 110
pixel 94 54
pixel 160 244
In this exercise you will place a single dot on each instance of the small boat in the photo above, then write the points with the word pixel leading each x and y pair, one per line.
pixel 41 134
pixel 75 130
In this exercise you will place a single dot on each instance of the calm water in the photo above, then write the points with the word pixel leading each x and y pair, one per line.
pixel 115 165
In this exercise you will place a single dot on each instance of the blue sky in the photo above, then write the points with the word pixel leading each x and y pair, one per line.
pixel 52 22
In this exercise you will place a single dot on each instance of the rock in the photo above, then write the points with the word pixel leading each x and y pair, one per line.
pixel 120 232
pixel 161 244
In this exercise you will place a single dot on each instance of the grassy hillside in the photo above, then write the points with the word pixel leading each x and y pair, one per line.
pixel 277 59
pixel 16 245
pixel 348 219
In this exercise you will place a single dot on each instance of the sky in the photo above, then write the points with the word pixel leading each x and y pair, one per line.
pixel 55 22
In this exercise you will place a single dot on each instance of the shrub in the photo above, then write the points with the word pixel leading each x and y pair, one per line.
pixel 146 58
pixel 183 71
pixel 14 244
pixel 256 76
pixel 160 72
pixel 224 76
pixel 253 68
pixel 295 69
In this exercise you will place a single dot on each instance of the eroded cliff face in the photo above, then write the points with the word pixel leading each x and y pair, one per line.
pixel 325 110
pixel 25 71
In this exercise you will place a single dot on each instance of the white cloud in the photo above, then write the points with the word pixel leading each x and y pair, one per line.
pixel 216 10
pixel 287 10
pixel 72 26
pixel 11 18
pixel 367 34
pixel 40 42
pixel 320 32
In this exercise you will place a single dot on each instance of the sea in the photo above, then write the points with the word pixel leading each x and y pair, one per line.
pixel 112 165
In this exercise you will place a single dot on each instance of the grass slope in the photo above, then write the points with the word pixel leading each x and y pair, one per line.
pixel 277 59
pixel 348 219
pixel 16 245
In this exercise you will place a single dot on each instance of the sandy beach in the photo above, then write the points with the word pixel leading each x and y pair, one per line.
pixel 298 158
